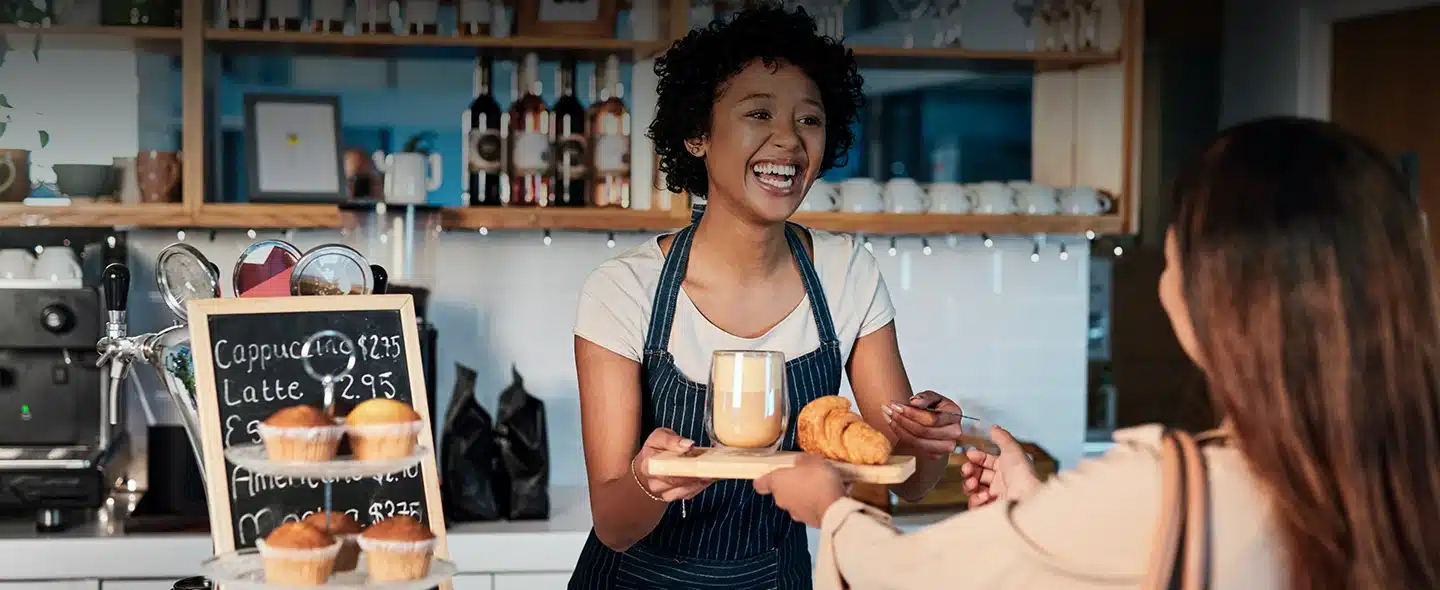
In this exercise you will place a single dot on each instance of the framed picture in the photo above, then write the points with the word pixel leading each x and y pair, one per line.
pixel 292 146
pixel 566 18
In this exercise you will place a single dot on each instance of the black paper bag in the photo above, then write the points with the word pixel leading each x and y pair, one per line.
pixel 470 466
pixel 525 447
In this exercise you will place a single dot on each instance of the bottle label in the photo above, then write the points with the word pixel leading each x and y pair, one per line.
pixel 612 155
pixel 485 150
pixel 531 152
pixel 570 156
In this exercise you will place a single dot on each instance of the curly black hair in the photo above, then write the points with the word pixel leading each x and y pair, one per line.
pixel 694 70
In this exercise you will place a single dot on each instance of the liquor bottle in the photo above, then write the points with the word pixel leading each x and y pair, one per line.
pixel 484 148
pixel 571 161
pixel 610 142
pixel 530 127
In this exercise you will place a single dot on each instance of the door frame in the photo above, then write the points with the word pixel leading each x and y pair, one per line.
pixel 1316 44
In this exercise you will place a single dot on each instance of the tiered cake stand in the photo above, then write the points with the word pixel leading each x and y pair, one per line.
pixel 245 569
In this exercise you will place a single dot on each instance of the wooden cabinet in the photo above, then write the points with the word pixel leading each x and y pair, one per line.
pixel 1085 122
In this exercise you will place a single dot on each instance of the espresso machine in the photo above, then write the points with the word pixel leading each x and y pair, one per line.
pixel 61 432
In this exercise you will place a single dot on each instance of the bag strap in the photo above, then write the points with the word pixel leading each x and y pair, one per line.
pixel 1180 552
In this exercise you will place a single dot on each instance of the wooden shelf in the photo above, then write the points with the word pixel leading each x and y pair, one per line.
pixel 941 224
pixel 94 215
pixel 156 33
pixel 266 215
pixel 386 44
pixel 320 216
pixel 954 58
pixel 563 219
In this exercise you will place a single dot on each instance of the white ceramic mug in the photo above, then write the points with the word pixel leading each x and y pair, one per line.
pixel 408 179
pixel 822 196
pixel 861 195
pixel 994 198
pixel 57 264
pixel 1036 199
pixel 950 197
pixel 904 195
pixel 1085 200
pixel 16 263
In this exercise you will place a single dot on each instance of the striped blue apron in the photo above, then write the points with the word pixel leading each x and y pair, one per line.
pixel 728 537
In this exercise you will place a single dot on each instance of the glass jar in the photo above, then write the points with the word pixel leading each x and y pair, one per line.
pixel 402 238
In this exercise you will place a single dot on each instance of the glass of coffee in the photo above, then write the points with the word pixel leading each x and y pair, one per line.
pixel 749 408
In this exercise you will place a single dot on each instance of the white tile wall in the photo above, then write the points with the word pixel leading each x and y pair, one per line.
pixel 985 325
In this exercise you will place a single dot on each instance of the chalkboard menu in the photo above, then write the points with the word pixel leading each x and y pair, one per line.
pixel 248 365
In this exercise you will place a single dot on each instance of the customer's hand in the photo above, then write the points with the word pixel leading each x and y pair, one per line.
pixel 806 490
pixel 668 489
pixel 1007 476
pixel 927 434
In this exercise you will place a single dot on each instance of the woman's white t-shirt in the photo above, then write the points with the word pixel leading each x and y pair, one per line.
pixel 615 305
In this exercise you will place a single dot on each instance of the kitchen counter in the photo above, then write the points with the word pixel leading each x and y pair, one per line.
pixel 101 549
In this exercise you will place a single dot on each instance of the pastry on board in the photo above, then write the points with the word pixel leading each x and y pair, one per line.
pixel 297 554
pixel 382 429
pixel 301 433
pixel 344 528
pixel 827 427
pixel 398 548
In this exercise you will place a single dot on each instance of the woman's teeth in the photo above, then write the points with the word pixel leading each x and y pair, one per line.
pixel 776 175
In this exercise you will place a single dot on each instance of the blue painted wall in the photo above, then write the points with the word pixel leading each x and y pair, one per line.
pixel 985 132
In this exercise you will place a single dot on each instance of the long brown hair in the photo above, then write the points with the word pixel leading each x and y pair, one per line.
pixel 1311 285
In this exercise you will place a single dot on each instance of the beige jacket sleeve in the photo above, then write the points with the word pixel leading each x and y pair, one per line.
pixel 1090 527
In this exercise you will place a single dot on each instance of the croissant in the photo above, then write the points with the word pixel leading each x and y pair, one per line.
pixel 828 428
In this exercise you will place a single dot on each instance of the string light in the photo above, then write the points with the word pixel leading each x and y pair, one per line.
pixel 868 247
pixel 547 238
pixel 1119 250
pixel 1063 254
pixel 39 250
pixel 1035 253
pixel 180 235
pixel 250 233
pixel 925 247
pixel 610 240
pixel 988 242
pixel 110 241
pixel 484 231
pixel 1089 234
pixel 893 250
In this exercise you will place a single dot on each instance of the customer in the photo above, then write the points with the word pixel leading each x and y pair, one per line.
pixel 1300 279
pixel 750 112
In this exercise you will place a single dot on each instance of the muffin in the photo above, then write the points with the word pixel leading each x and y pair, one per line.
pixel 301 433
pixel 383 429
pixel 344 528
pixel 297 554
pixel 397 549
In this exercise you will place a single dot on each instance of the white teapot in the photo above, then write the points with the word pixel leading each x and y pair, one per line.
pixel 407 180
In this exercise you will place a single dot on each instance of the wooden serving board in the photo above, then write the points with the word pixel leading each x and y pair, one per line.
pixel 714 463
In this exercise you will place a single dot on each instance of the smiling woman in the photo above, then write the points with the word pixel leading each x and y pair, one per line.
pixel 750 112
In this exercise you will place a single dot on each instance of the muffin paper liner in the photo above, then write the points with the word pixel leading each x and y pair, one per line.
pixel 307 433
pixel 419 547
pixel 396 429
pixel 287 554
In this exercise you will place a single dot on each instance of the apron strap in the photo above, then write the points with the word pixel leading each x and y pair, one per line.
pixel 819 305
pixel 672 275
